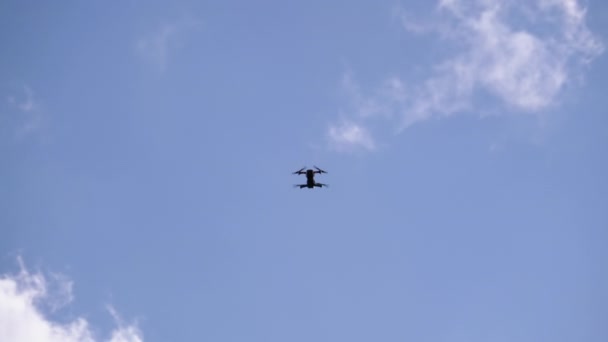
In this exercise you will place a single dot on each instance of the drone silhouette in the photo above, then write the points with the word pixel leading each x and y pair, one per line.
pixel 310 178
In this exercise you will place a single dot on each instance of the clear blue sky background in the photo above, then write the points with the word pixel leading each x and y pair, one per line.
pixel 146 151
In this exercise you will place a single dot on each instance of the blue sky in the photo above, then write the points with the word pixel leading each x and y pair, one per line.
pixel 146 151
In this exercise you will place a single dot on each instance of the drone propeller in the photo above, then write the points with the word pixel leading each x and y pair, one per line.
pixel 299 171
pixel 319 170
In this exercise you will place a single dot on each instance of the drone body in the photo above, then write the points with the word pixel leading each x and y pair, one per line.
pixel 310 178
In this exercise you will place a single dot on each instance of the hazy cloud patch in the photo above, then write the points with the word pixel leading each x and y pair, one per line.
pixel 156 46
pixel 24 102
pixel 24 112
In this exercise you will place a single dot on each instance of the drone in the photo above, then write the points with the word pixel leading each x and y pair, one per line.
pixel 310 178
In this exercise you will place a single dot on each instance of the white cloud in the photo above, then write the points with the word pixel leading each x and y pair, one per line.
pixel 521 54
pixel 22 320
pixel 523 68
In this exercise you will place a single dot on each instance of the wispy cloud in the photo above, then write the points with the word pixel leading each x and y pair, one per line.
pixel 26 102
pixel 349 136
pixel 26 112
pixel 156 46
pixel 521 54
pixel 22 320
pixel 351 133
